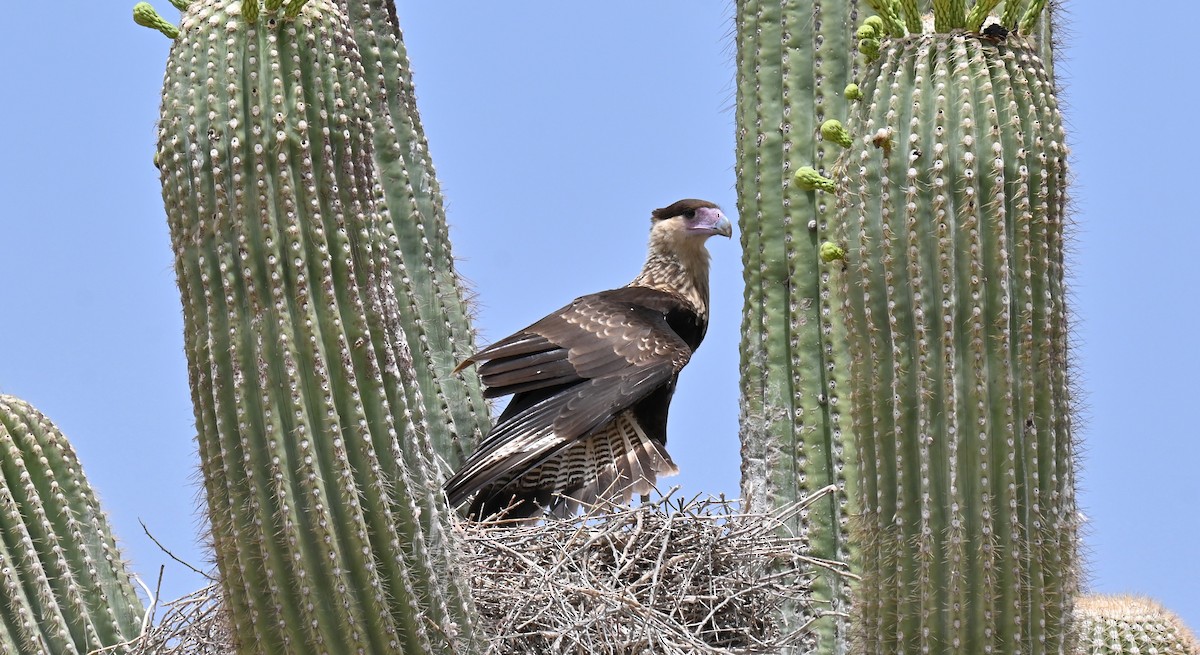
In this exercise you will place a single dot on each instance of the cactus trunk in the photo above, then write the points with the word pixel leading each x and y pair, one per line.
pixel 64 589
pixel 430 294
pixel 330 528
pixel 951 212
pixel 794 61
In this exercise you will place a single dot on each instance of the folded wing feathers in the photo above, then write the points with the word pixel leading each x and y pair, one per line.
pixel 604 353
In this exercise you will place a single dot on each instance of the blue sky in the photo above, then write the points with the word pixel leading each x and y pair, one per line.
pixel 555 131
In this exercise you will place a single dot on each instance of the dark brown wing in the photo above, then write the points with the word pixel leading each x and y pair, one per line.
pixel 572 374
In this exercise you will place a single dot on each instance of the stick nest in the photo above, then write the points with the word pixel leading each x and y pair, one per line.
pixel 666 577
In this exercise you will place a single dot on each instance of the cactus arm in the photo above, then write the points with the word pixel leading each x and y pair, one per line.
pixel 430 295
pixel 65 586
pixel 793 67
pixel 754 441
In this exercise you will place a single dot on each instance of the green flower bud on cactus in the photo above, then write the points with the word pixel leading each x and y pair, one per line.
pixel 329 524
pixel 852 92
pixel 291 8
pixel 954 299
pixel 251 10
pixel 869 48
pixel 979 14
pixel 64 585
pixel 809 179
pixel 1129 625
pixel 911 11
pixel 145 15
pixel 833 130
pixel 1032 16
pixel 831 252
pixel 875 25
pixel 887 21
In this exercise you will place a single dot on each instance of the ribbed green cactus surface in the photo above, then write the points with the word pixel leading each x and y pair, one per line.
pixel 794 60
pixel 328 519
pixel 1130 625
pixel 64 589
pixel 951 213
pixel 429 293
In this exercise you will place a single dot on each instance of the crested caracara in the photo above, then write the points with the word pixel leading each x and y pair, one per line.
pixel 592 382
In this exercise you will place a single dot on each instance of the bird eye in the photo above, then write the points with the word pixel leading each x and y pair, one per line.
pixel 689 214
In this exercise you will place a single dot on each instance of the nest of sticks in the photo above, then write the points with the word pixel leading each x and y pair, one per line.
pixel 668 576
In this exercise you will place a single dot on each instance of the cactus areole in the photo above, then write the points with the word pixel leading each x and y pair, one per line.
pixel 328 522
pixel 953 295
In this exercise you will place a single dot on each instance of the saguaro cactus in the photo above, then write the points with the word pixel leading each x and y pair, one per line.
pixel 64 587
pixel 429 292
pixel 794 60
pixel 328 520
pixel 951 212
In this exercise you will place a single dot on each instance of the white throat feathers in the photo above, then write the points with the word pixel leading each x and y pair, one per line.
pixel 677 262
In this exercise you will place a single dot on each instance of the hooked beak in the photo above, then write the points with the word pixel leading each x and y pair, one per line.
pixel 711 221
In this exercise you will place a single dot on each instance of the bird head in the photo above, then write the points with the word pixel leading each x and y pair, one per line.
pixel 690 219
pixel 677 260
pixel 682 227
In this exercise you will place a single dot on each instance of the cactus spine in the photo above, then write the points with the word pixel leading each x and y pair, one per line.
pixel 794 61
pixel 329 524
pixel 951 211
pixel 429 292
pixel 64 587
pixel 1129 625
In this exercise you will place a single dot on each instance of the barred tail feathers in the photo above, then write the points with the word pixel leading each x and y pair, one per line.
pixel 613 464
